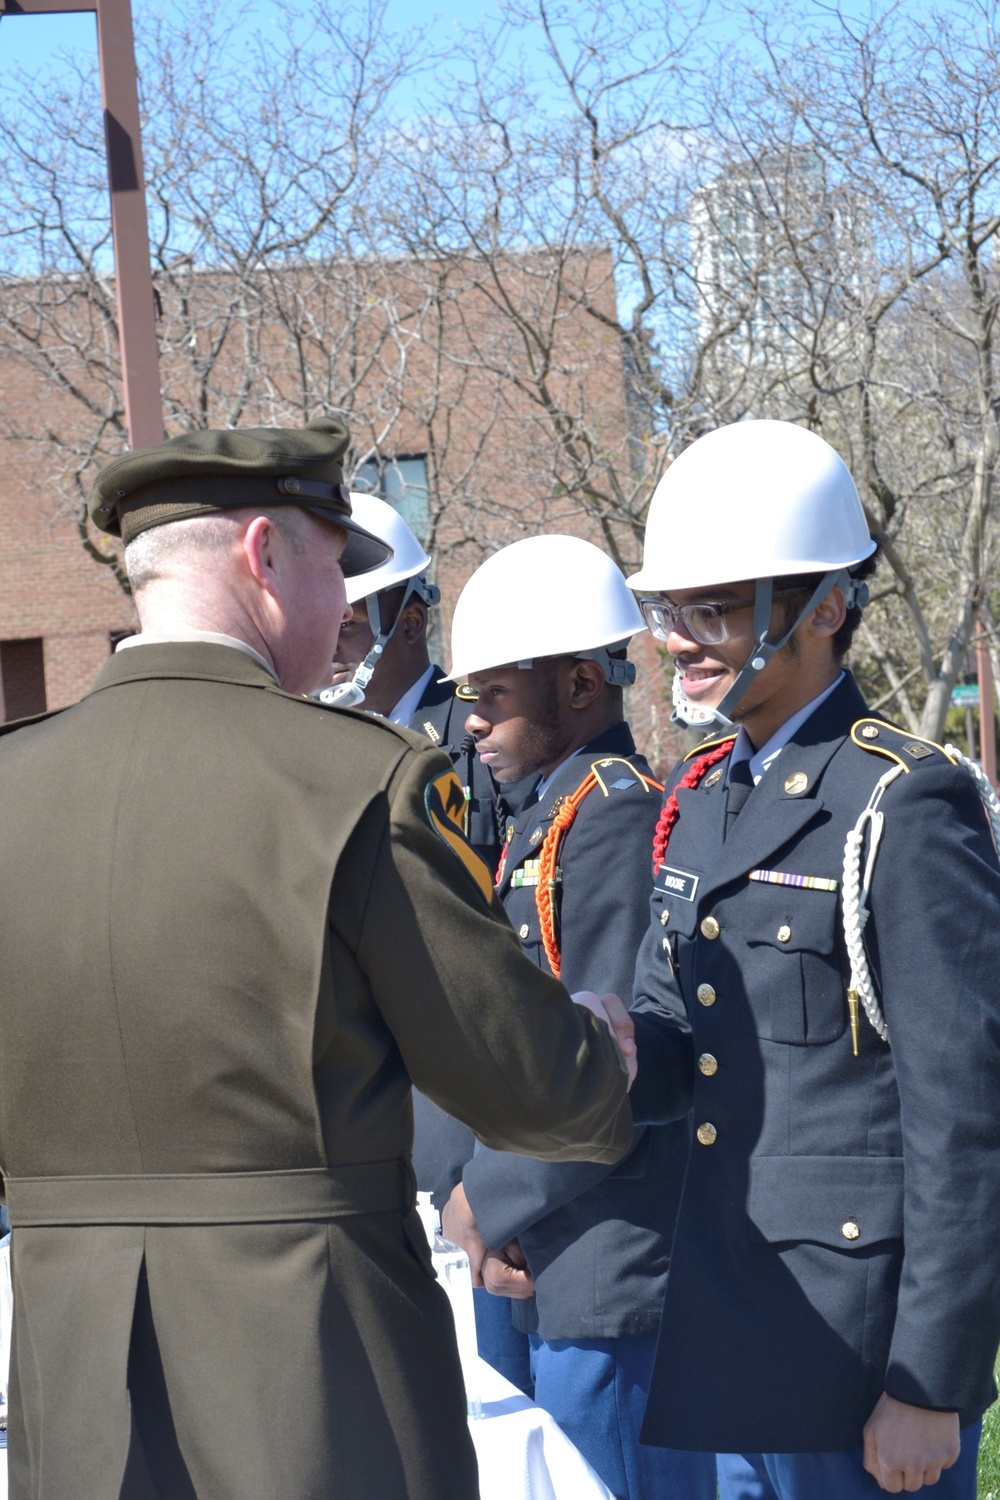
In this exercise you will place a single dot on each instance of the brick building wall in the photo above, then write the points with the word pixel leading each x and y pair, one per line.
pixel 446 374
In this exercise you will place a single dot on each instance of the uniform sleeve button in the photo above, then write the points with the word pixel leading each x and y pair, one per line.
pixel 706 994
pixel 850 1229
pixel 706 1133
pixel 710 927
pixel 784 933
pixel 708 1064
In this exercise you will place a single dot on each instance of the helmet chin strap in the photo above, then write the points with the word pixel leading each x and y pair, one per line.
pixel 693 715
pixel 352 694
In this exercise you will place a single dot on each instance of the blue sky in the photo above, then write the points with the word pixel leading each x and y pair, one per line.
pixel 34 42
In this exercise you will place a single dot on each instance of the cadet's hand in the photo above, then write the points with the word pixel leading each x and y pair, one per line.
pixel 506 1274
pixel 908 1446
pixel 610 1010
pixel 458 1224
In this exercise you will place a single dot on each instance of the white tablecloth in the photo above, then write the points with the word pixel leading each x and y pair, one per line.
pixel 523 1454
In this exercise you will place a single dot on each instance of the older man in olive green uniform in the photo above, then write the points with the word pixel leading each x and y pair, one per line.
pixel 236 924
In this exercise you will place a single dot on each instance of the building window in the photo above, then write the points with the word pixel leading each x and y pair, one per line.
pixel 403 482
pixel 22 678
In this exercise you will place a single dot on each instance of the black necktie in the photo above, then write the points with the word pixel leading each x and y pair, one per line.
pixel 740 787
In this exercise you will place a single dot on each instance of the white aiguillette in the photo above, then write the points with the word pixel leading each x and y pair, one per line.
pixel 451 1267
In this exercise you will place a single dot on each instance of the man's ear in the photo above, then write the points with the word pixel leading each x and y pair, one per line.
pixel 829 614
pixel 261 541
pixel 413 622
pixel 586 683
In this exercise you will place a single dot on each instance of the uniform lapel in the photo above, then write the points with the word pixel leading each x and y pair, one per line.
pixel 788 797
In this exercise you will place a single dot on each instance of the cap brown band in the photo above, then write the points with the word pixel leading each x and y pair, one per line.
pixel 170 499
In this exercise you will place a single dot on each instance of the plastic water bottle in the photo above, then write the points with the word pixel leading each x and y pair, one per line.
pixel 451 1266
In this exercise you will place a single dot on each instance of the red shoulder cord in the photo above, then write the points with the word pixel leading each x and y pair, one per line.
pixel 548 857
pixel 671 811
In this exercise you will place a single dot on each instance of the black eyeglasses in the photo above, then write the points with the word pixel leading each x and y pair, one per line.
pixel 705 623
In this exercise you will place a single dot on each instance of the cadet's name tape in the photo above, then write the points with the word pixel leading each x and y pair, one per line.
pixel 676 882
pixel 784 877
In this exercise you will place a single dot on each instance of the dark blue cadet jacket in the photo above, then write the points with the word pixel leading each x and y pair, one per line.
pixel 597 1240
pixel 442 1145
pixel 839 1233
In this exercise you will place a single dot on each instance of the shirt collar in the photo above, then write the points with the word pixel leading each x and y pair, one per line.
pixel 546 781
pixel 761 760
pixel 410 701
pixel 180 633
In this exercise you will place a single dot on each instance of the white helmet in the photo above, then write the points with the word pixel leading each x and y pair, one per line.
pixel 408 557
pixel 544 596
pixel 406 564
pixel 756 500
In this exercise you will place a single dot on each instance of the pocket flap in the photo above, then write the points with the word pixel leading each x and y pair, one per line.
pixel 845 1202
pixel 791 920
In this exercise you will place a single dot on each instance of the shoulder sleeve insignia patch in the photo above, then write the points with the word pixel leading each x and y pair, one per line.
pixel 445 804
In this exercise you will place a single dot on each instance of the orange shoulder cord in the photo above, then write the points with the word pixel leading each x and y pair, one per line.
pixel 548 857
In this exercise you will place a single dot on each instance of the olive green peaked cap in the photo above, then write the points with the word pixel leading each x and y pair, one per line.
pixel 216 469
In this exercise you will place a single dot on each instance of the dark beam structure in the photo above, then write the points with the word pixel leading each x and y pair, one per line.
pixel 130 233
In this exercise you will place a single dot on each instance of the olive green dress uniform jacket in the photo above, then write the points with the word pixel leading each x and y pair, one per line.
pixel 235 925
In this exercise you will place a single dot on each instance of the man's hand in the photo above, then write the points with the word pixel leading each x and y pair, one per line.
pixel 610 1010
pixel 908 1446
pixel 458 1224
pixel 506 1274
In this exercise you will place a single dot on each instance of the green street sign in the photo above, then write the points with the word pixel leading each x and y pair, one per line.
pixel 965 695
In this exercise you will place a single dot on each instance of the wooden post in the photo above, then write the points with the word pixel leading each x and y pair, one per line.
pixel 987 722
pixel 129 228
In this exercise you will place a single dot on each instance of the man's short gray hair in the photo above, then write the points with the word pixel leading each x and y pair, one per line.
pixel 155 554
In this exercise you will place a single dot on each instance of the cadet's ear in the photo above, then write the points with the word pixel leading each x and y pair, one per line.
pixel 586 683
pixel 829 614
pixel 413 622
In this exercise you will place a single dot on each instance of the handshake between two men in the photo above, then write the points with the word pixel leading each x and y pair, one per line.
pixel 505 1272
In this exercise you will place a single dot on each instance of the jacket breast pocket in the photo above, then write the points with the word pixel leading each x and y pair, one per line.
pixel 794 976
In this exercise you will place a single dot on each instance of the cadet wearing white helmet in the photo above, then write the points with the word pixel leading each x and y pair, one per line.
pixel 832 1310
pixel 383 665
pixel 540 634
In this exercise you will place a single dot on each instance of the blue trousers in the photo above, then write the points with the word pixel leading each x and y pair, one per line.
pixel 596 1390
pixel 834 1476
pixel 501 1344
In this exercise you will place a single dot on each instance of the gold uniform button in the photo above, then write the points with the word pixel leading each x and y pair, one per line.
pixel 706 994
pixel 708 1064
pixel 706 1134
pixel 523 931
pixel 850 1229
pixel 784 933
pixel 710 927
